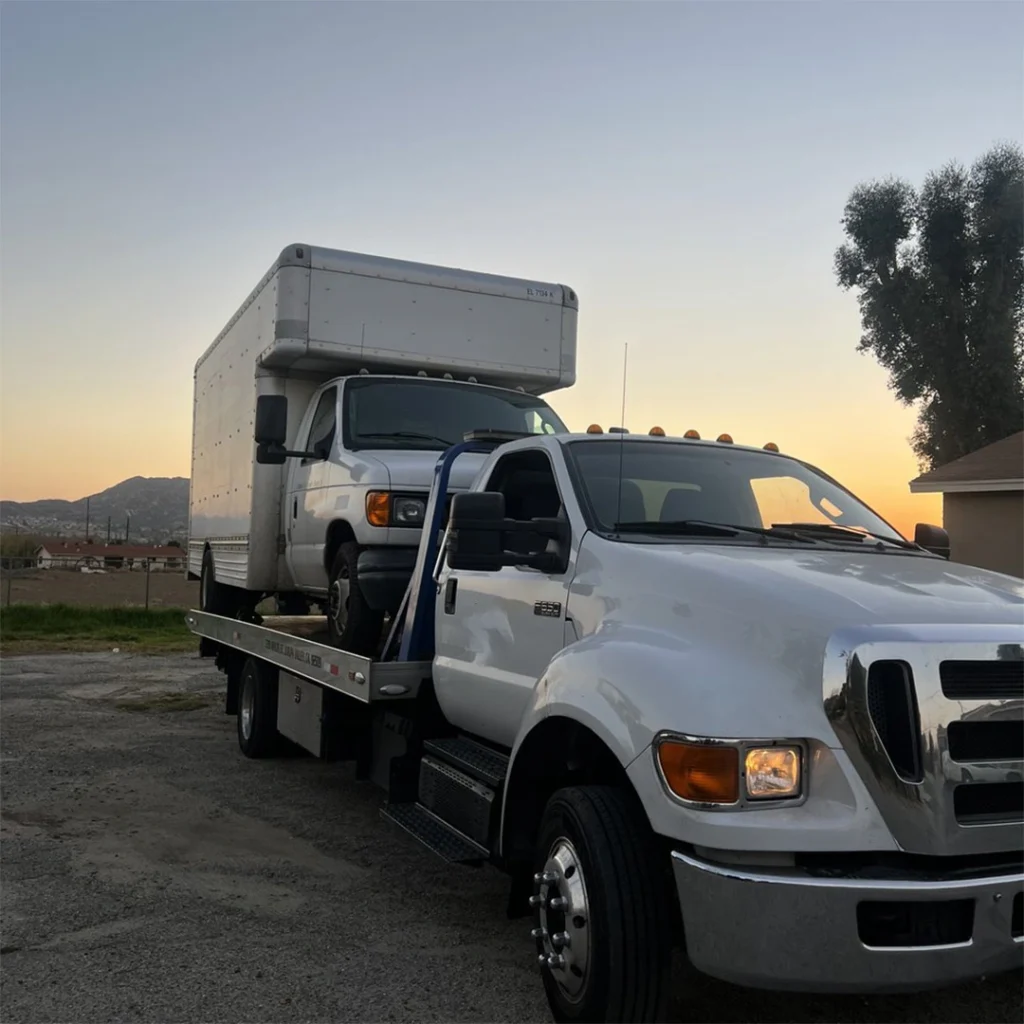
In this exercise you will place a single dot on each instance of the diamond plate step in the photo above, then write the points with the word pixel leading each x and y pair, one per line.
pixel 473 758
pixel 434 834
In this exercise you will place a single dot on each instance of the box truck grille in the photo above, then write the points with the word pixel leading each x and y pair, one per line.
pixel 935 728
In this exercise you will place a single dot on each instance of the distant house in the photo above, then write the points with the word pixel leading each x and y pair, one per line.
pixel 73 554
pixel 983 505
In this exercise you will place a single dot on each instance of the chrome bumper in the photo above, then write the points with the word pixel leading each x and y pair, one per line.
pixel 791 931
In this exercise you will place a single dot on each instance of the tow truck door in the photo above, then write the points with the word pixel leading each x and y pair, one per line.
pixel 496 632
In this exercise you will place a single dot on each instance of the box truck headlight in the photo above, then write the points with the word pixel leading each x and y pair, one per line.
pixel 386 509
pixel 408 511
pixel 772 773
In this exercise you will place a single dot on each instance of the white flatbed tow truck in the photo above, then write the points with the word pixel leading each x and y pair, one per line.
pixel 793 748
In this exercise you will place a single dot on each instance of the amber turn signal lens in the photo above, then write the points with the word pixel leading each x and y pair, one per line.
pixel 378 508
pixel 725 438
pixel 771 446
pixel 699 772
pixel 595 428
pixel 692 435
pixel 656 432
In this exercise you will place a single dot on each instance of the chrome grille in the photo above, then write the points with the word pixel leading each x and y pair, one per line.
pixel 933 719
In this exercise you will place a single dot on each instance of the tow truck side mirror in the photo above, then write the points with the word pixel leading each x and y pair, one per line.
pixel 932 538
pixel 475 527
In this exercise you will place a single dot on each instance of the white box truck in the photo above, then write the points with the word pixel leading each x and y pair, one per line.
pixel 384 364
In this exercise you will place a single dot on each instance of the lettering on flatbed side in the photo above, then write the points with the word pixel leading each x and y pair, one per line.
pixel 287 651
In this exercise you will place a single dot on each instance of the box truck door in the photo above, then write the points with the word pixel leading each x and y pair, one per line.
pixel 306 531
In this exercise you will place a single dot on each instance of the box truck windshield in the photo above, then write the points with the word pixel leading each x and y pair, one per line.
pixel 432 414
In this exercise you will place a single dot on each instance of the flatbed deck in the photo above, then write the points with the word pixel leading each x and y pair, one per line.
pixel 296 644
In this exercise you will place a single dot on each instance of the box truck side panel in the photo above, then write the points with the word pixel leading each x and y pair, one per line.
pixel 236 504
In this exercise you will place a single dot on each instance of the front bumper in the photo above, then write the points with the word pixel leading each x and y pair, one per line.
pixel 789 930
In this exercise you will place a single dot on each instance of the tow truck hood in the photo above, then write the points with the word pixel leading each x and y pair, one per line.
pixel 840 587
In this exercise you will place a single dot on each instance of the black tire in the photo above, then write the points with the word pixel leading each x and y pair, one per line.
pixel 257 710
pixel 353 625
pixel 627 927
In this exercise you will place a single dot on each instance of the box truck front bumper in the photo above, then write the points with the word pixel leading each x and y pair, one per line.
pixel 384 575
pixel 789 930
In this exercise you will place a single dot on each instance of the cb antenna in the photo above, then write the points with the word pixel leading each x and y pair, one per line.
pixel 622 434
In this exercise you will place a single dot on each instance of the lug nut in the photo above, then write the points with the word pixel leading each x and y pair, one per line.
pixel 555 960
pixel 560 940
pixel 545 877
pixel 558 903
pixel 536 900
pixel 539 933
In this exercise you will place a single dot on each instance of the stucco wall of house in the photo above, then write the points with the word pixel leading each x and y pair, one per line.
pixel 986 529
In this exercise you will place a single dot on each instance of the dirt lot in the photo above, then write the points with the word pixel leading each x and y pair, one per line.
pixel 105 590
pixel 151 873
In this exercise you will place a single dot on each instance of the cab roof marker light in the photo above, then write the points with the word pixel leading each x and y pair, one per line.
pixel 472 380
pixel 724 438
pixel 595 428
pixel 448 376
pixel 421 373
pixel 771 446
pixel 656 432
pixel 692 435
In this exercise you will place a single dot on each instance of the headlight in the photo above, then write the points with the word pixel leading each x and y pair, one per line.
pixel 408 511
pixel 728 773
pixel 772 773
pixel 386 509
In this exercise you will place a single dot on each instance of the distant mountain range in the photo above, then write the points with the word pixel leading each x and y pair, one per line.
pixel 158 507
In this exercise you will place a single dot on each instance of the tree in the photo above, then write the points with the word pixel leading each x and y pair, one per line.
pixel 940 280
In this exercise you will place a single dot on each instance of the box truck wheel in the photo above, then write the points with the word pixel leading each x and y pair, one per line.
pixel 257 709
pixel 354 626
pixel 603 934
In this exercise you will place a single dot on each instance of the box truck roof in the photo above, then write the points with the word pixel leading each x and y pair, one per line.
pixel 330 311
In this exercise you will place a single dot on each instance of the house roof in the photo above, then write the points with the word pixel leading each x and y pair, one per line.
pixel 996 467
pixel 79 549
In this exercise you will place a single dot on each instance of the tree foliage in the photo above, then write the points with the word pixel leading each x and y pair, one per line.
pixel 939 275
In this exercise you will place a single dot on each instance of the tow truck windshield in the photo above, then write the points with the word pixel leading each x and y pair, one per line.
pixel 688 490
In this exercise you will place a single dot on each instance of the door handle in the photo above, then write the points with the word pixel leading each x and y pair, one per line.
pixel 295 508
pixel 450 589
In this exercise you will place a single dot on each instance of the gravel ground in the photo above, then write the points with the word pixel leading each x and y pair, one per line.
pixel 151 873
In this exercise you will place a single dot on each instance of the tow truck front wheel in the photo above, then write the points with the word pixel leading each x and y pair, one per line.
pixel 603 930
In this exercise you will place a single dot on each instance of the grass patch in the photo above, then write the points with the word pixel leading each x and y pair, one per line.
pixel 175 701
pixel 27 628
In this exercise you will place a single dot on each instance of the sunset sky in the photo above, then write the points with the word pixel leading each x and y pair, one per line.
pixel 682 166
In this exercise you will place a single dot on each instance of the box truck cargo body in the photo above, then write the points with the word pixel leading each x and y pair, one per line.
pixel 379 361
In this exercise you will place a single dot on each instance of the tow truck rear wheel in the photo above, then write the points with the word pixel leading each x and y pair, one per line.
pixel 257 709
pixel 603 930
pixel 353 625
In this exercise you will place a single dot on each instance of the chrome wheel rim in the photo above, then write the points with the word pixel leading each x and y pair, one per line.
pixel 337 602
pixel 563 930
pixel 247 708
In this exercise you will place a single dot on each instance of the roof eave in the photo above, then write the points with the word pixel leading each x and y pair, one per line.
pixel 964 486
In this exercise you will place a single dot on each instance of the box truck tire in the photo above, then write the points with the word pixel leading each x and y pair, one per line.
pixel 604 933
pixel 353 625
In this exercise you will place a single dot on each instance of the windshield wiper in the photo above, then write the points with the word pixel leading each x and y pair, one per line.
pixel 847 533
pixel 704 528
pixel 411 435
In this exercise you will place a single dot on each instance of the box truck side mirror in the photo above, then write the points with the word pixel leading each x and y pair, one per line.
pixel 932 538
pixel 271 420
